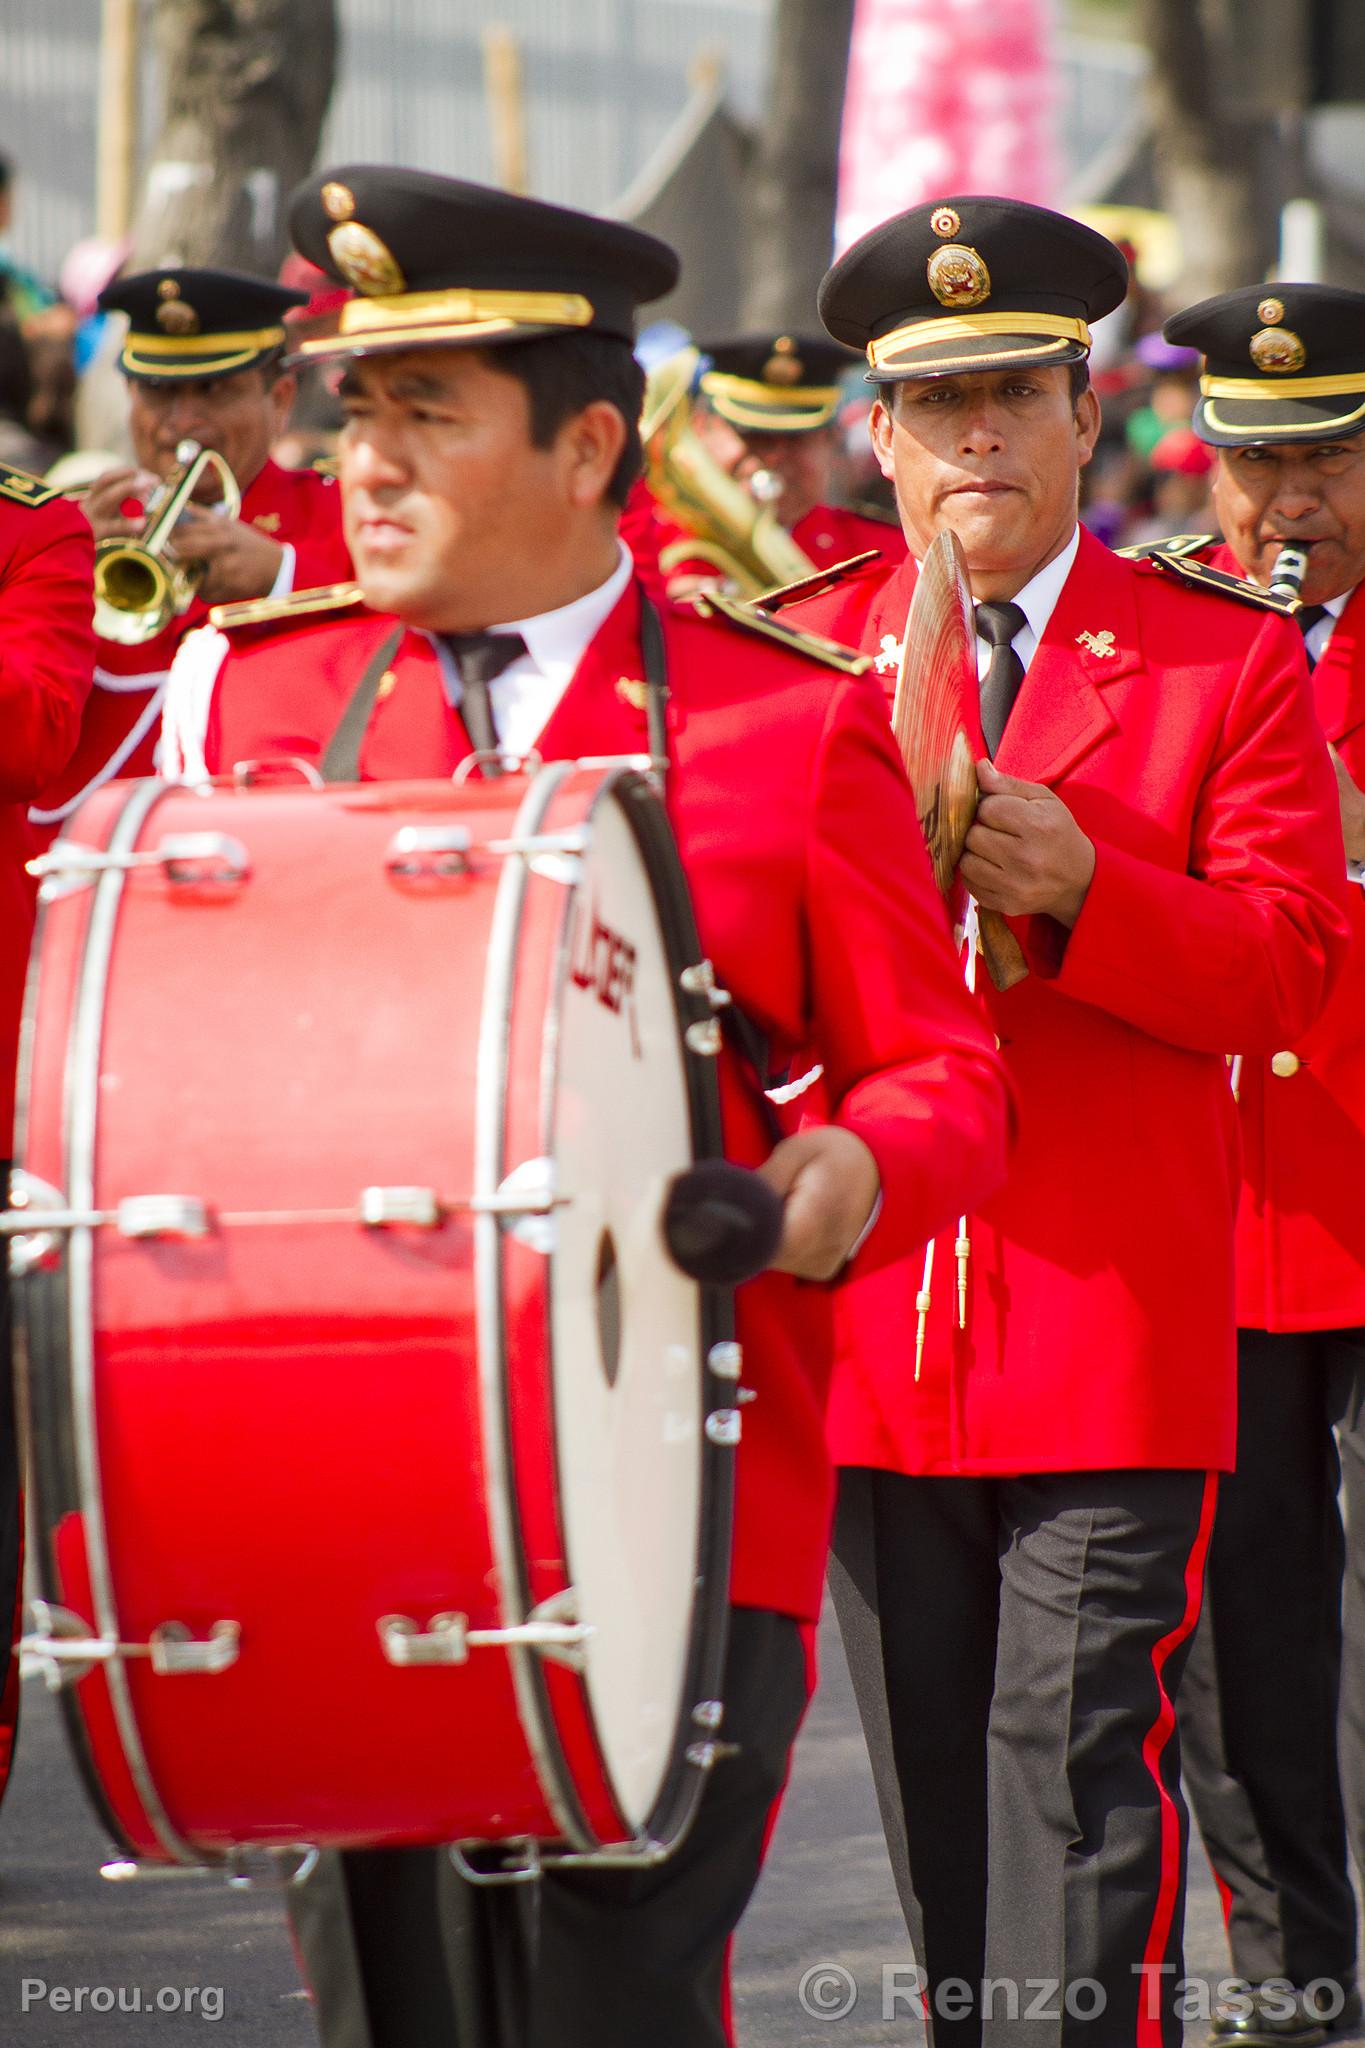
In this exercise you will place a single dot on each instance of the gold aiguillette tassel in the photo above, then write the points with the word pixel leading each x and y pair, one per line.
pixel 923 1302
pixel 963 1250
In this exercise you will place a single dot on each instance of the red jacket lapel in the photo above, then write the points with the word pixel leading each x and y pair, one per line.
pixel 603 709
pixel 1091 641
pixel 1339 678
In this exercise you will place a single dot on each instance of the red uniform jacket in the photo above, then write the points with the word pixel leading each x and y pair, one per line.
pixel 1301 1224
pixel 784 793
pixel 1100 1327
pixel 119 730
pixel 47 653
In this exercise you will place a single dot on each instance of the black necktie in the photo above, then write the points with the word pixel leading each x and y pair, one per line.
pixel 1305 618
pixel 997 625
pixel 481 658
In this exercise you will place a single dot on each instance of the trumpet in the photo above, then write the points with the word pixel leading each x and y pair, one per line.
pixel 138 590
pixel 734 526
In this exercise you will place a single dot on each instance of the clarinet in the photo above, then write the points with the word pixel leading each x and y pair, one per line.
pixel 1286 577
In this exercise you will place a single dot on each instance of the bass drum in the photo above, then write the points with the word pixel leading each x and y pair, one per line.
pixel 382 1459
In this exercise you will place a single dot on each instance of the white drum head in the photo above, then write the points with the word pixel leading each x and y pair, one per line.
pixel 625 1323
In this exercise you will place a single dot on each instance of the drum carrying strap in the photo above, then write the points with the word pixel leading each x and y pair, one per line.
pixel 341 762
pixel 745 1038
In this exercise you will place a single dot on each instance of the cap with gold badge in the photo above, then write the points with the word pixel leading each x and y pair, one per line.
pixel 439 263
pixel 1283 362
pixel 775 383
pixel 969 284
pixel 198 323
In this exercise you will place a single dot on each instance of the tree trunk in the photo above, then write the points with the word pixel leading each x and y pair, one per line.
pixel 1226 85
pixel 794 178
pixel 245 90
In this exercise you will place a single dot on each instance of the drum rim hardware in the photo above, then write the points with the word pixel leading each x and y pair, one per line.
pixel 61 1647
pixel 552 1628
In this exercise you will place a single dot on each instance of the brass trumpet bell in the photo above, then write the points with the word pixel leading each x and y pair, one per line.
pixel 741 536
pixel 138 589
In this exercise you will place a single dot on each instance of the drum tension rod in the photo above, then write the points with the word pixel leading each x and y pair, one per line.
pixel 448 1638
pixel 63 1649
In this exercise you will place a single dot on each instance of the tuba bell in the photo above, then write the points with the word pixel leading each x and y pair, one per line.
pixel 734 528
pixel 138 590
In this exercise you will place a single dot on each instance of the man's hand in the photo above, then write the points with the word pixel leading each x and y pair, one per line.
pixel 242 561
pixel 112 501
pixel 1352 809
pixel 1025 853
pixel 829 1181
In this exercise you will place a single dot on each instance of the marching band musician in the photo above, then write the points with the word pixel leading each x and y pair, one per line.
pixel 47 655
pixel 1283 402
pixel 1021 1534
pixel 491 397
pixel 770 406
pixel 204 362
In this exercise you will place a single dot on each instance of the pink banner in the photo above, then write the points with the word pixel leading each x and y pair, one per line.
pixel 946 96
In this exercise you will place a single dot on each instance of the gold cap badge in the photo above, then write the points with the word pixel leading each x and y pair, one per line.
pixel 784 365
pixel 338 201
pixel 173 316
pixel 1270 312
pixel 1278 352
pixel 945 223
pixel 958 277
pixel 365 261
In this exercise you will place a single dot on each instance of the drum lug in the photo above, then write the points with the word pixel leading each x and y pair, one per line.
pixel 700 980
pixel 723 1427
pixel 35 1220
pixel 428 853
pixel 62 1648
pixel 448 1638
pixel 704 1037
pixel 708 1715
pixel 704 1756
pixel 162 1216
pixel 726 1360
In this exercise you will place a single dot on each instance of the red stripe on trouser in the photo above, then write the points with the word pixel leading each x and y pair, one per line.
pixel 1149 2033
pixel 809 1638
pixel 9 1692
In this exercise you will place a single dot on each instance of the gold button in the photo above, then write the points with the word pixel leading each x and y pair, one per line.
pixel 1286 1065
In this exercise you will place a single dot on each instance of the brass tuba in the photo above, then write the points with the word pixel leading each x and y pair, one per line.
pixel 138 591
pixel 742 536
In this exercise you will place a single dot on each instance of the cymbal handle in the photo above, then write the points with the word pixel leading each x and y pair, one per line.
pixel 1001 951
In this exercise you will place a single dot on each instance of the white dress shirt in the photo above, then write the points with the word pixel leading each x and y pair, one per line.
pixel 1318 635
pixel 1037 601
pixel 525 696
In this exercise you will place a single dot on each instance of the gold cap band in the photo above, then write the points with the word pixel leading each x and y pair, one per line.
pixel 943 332
pixel 746 401
pixel 164 356
pixel 1268 389
pixel 465 309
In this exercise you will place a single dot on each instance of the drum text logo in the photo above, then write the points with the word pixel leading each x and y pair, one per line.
pixel 603 961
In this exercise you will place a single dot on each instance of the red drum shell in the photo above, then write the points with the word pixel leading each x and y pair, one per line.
pixel 289 1421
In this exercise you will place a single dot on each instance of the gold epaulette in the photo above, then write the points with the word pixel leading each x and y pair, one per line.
pixel 1199 576
pixel 1177 544
pixel 814 646
pixel 256 611
pixel 25 489
pixel 807 586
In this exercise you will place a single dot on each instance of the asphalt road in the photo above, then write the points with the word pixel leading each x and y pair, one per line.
pixel 207 1959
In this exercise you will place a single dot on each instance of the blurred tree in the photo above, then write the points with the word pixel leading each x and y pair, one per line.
pixel 245 87
pixel 793 179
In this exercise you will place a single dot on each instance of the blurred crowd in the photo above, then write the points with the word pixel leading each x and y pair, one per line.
pixel 63 404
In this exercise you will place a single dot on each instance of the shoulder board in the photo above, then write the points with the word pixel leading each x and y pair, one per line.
pixel 325 465
pixel 1198 576
pixel 255 611
pixel 814 646
pixel 1178 544
pixel 25 489
pixel 807 586
pixel 879 515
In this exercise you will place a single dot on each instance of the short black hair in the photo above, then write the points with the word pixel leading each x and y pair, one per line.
pixel 563 374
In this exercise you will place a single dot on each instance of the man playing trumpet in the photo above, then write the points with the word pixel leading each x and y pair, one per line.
pixel 204 360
